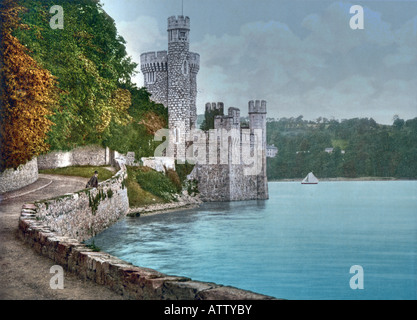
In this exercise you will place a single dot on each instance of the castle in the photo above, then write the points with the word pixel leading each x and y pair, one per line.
pixel 231 158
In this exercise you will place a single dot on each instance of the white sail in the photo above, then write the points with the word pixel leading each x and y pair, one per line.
pixel 310 178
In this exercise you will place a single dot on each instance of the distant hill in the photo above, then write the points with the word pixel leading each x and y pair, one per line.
pixel 350 148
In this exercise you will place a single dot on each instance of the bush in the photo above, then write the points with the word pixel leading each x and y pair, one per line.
pixel 175 179
pixel 156 183
pixel 183 170
pixel 138 197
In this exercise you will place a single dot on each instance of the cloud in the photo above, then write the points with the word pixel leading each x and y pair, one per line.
pixel 141 35
pixel 406 46
pixel 330 71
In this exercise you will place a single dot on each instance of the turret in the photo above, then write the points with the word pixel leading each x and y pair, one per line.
pixel 257 125
pixel 178 29
pixel 154 67
pixel 180 110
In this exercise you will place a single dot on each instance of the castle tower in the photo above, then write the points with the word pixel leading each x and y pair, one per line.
pixel 179 84
pixel 171 78
pixel 257 122
pixel 154 66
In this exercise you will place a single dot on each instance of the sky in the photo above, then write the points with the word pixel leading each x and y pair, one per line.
pixel 302 57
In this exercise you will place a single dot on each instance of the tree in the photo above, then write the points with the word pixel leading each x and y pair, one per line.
pixel 89 59
pixel 209 116
pixel 398 123
pixel 27 95
pixel 138 135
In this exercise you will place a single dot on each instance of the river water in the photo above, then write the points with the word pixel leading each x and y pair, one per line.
pixel 299 244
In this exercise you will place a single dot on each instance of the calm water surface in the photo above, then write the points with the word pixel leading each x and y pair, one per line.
pixel 299 244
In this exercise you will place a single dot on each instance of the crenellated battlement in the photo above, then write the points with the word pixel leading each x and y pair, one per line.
pixel 215 106
pixel 257 106
pixel 154 61
pixel 179 22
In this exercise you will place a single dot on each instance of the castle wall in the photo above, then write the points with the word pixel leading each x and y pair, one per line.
pixel 239 179
pixel 213 181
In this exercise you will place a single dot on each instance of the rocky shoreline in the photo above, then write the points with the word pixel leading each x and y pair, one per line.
pixel 184 202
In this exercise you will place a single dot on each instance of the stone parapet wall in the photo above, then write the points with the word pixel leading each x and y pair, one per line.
pixel 92 155
pixel 83 214
pixel 24 175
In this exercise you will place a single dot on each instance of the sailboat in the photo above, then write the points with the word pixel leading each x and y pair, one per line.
pixel 310 179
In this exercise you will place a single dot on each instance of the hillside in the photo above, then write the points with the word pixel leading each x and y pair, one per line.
pixel 355 148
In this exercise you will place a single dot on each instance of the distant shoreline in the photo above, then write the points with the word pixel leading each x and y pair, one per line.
pixel 347 179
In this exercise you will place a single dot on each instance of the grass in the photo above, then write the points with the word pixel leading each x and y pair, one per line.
pixel 138 197
pixel 81 171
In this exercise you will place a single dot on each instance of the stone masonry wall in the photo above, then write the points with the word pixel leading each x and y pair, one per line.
pixel 83 214
pixel 93 155
pixel 12 179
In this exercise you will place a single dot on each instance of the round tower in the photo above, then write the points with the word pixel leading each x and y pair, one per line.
pixel 154 67
pixel 257 125
pixel 179 84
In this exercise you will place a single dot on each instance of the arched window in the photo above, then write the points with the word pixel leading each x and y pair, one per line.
pixel 177 137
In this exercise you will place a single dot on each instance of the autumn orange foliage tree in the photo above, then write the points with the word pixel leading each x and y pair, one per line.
pixel 27 95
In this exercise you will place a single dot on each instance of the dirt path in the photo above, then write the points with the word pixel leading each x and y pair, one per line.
pixel 24 274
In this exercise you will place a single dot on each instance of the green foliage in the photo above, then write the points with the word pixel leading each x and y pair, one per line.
pixel 89 60
pixel 208 122
pixel 96 101
pixel 138 197
pixel 370 149
pixel 156 183
pixel 183 170
pixel 94 201
pixel 138 136
pixel 192 187
pixel 175 179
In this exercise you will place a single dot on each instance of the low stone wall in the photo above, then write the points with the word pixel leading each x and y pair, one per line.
pixel 24 175
pixel 160 164
pixel 83 214
pixel 92 155
pixel 56 227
